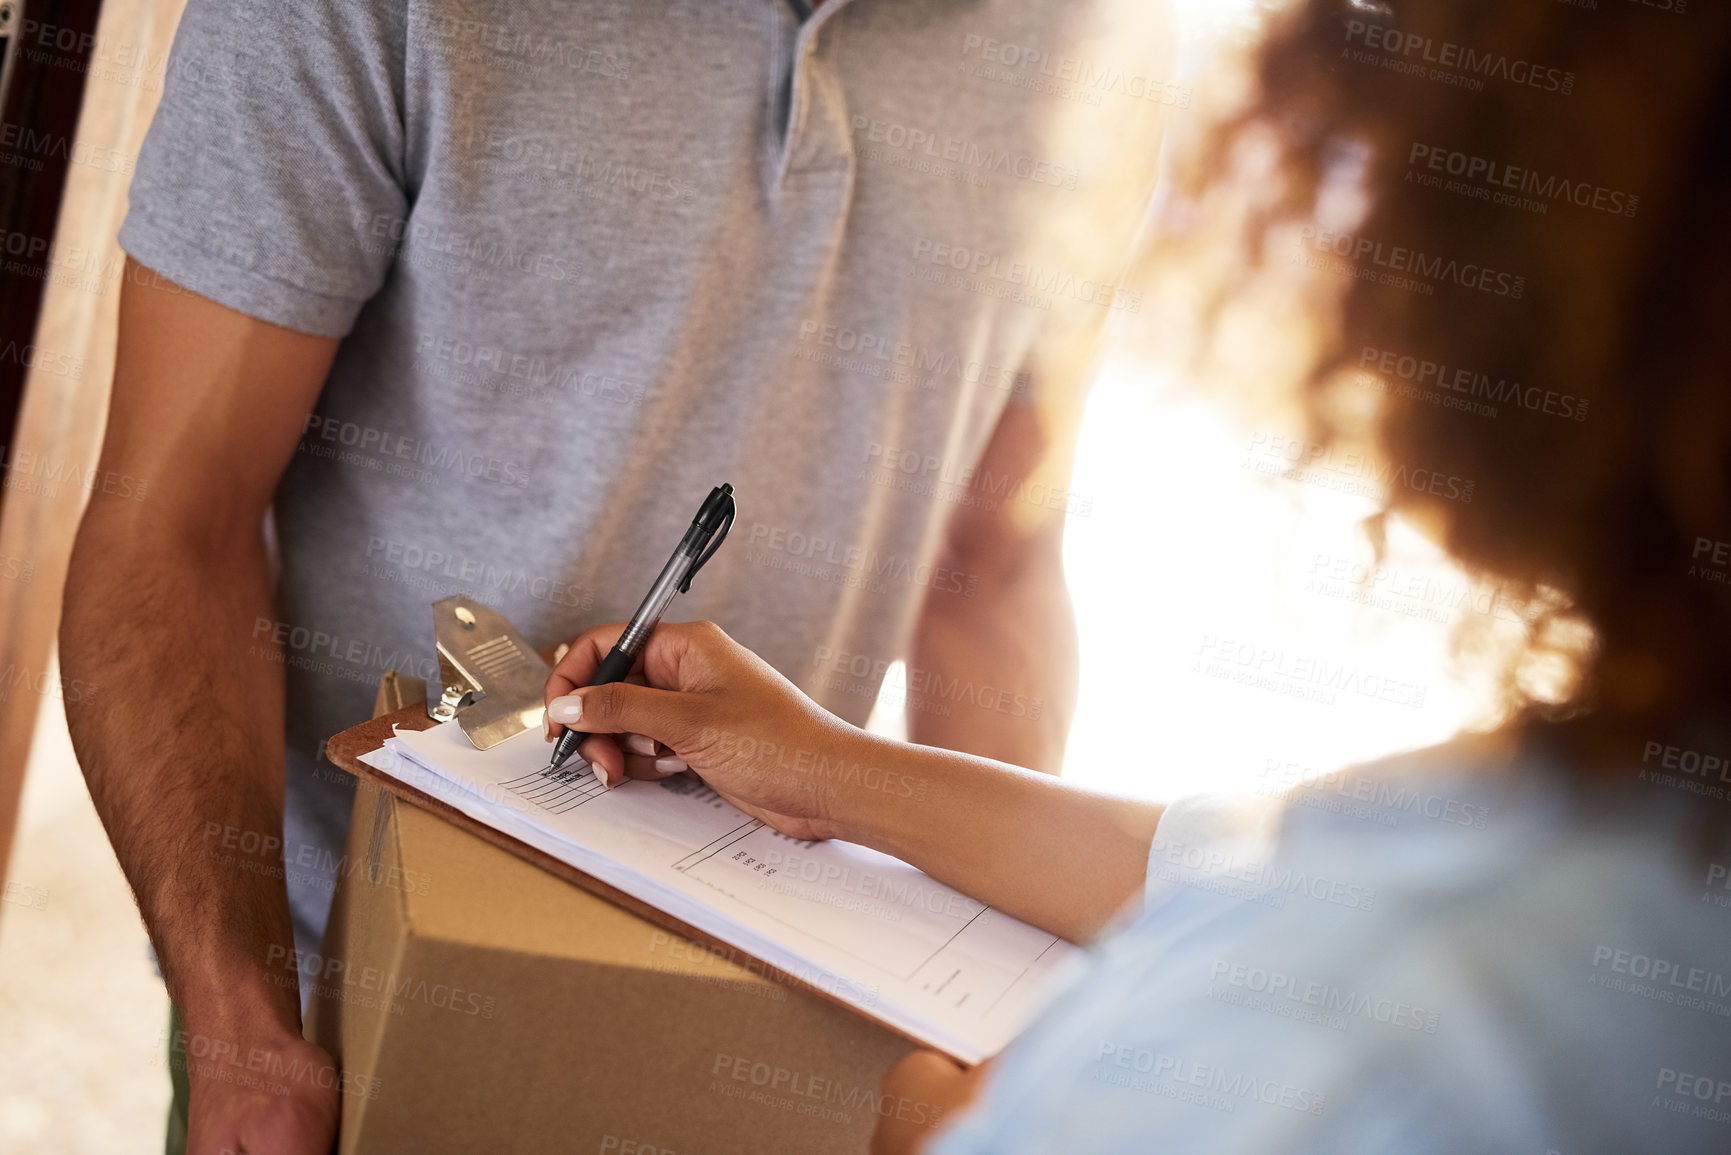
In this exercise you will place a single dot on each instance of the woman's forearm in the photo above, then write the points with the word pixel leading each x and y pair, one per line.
pixel 1033 846
pixel 1037 847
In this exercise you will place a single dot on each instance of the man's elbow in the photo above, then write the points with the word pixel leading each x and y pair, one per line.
pixel 103 549
pixel 1007 549
pixel 164 530
pixel 125 554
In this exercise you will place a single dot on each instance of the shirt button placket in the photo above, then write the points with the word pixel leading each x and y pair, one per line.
pixel 815 137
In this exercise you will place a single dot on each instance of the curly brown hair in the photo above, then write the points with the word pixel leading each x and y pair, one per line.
pixel 1539 279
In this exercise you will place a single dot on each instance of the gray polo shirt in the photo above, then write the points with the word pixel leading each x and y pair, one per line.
pixel 591 257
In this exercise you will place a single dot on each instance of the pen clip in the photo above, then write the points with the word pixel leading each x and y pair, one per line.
pixel 714 544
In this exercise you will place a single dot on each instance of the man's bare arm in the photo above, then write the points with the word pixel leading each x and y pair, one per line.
pixel 185 729
pixel 995 674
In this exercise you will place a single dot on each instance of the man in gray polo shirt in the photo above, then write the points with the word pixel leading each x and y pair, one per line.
pixel 484 298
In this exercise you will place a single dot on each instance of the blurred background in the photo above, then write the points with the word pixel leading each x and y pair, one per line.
pixel 1212 594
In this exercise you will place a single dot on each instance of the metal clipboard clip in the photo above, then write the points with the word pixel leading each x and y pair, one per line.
pixel 490 679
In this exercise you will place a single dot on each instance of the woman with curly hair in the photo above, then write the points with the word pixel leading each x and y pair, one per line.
pixel 1516 213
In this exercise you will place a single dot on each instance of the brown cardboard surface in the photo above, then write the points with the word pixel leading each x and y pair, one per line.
pixel 349 1018
pixel 478 1001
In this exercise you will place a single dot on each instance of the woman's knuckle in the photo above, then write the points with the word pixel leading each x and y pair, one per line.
pixel 609 702
pixel 707 634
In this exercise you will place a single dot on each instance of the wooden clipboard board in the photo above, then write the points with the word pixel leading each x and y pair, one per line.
pixel 345 750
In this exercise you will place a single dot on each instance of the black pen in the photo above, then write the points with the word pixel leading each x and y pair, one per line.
pixel 708 530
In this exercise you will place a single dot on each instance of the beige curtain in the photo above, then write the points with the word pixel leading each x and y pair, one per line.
pixel 66 392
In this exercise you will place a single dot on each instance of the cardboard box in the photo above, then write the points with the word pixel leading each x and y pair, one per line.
pixel 478 1003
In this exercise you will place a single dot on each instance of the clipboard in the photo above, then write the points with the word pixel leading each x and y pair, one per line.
pixel 485 662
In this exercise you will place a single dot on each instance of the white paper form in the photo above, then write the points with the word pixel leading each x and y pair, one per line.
pixel 867 928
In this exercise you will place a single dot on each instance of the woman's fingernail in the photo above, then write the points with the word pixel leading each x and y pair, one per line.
pixel 567 709
pixel 640 744
pixel 600 774
pixel 671 765
pixel 546 727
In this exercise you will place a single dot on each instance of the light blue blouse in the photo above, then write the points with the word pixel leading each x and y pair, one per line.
pixel 1398 960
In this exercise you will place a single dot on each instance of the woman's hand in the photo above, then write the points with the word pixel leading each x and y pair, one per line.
pixel 712 706
pixel 920 1093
